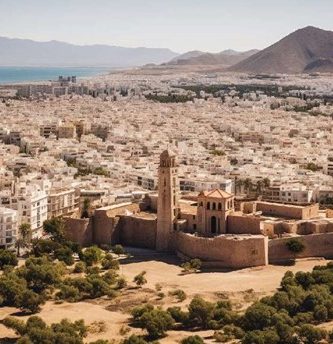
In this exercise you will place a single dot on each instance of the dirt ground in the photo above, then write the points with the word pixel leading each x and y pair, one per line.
pixel 108 319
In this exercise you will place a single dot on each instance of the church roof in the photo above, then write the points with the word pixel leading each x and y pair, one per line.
pixel 217 193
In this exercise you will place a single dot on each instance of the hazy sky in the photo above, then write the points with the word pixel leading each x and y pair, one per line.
pixel 182 25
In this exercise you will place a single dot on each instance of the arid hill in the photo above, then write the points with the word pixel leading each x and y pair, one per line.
pixel 306 50
pixel 226 58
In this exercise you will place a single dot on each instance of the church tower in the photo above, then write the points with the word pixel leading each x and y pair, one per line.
pixel 167 205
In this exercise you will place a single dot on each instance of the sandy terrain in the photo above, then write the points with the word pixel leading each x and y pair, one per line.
pixel 211 285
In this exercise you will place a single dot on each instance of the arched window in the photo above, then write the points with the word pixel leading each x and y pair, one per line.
pixel 214 206
pixel 220 206
pixel 208 205
pixel 213 225
pixel 201 204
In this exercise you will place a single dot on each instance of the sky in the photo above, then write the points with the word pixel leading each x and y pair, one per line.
pixel 181 25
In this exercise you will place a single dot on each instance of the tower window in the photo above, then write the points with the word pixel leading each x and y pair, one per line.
pixel 220 206
pixel 214 206
pixel 208 205
pixel 201 204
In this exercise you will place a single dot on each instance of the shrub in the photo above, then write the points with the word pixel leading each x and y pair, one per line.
pixel 140 279
pixel 192 266
pixel 178 315
pixel 79 267
pixel 180 294
pixel 133 339
pixel 69 293
pixel 118 249
pixel 121 283
pixel 294 245
pixel 109 263
pixel 193 340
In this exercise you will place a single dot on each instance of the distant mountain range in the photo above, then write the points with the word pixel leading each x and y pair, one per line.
pixel 306 50
pixel 225 58
pixel 24 52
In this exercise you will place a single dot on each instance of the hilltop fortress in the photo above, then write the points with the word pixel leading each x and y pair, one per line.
pixel 212 226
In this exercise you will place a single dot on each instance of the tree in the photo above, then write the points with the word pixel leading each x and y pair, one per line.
pixel 311 335
pixel 64 254
pixel 258 316
pixel 92 255
pixel 200 312
pixel 24 237
pixel 11 286
pixel 140 279
pixel 29 301
pixel 295 246
pixel 156 322
pixel 7 258
pixel 36 331
pixel 40 273
pixel 55 227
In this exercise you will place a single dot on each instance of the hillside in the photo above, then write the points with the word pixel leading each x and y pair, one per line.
pixel 23 52
pixel 226 58
pixel 304 50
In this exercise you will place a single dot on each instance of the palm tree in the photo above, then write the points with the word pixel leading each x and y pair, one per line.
pixel 238 185
pixel 24 237
pixel 266 182
pixel 259 186
pixel 248 184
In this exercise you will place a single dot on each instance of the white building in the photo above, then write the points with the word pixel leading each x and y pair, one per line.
pixel 8 227
pixel 30 202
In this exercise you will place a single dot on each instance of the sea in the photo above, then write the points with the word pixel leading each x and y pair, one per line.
pixel 11 75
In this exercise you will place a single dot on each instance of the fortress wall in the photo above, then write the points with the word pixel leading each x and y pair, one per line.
pixel 105 230
pixel 316 245
pixel 191 223
pixel 79 230
pixel 247 207
pixel 238 224
pixel 224 251
pixel 137 231
pixel 288 211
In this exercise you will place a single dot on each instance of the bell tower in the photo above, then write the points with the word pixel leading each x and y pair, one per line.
pixel 167 205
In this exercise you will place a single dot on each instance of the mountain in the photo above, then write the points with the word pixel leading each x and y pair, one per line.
pixel 186 56
pixel 24 52
pixel 226 58
pixel 306 50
